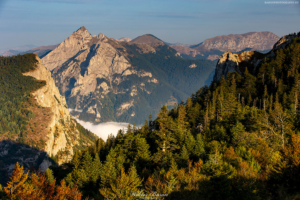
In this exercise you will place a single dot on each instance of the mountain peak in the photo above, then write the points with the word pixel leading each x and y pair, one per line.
pixel 78 40
pixel 148 39
pixel 81 29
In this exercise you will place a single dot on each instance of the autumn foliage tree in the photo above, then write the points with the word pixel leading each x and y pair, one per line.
pixel 38 187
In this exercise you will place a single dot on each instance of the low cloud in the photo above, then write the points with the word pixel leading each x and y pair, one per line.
pixel 74 110
pixel 102 130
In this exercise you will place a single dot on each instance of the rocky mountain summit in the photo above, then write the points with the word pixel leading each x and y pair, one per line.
pixel 237 62
pixel 107 80
pixel 212 48
pixel 148 39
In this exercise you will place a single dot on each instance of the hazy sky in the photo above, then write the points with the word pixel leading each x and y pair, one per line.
pixel 45 22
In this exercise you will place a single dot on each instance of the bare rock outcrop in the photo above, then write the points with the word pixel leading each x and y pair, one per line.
pixel 231 62
pixel 62 136
pixel 285 40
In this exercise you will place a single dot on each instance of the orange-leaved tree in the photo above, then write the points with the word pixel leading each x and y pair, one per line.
pixel 38 187
pixel 16 185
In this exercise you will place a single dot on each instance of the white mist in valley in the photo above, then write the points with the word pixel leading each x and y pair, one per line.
pixel 102 130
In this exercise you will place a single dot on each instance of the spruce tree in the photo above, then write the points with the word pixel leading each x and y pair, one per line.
pixel 199 146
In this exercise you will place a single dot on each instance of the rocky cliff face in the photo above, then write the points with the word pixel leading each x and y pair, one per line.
pixel 232 62
pixel 52 128
pixel 212 48
pixel 108 80
pixel 285 40
pixel 59 136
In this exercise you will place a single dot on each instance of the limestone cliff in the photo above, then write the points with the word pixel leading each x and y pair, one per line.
pixel 59 136
pixel 232 62
pixel 43 133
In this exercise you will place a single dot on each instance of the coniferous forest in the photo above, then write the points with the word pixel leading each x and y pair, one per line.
pixel 235 139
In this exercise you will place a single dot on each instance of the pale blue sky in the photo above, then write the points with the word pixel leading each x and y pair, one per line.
pixel 45 22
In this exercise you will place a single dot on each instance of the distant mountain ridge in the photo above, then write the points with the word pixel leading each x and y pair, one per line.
pixel 15 50
pixel 122 81
pixel 212 48
pixel 41 51
pixel 252 60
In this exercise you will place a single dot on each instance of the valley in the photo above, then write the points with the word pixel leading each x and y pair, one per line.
pixel 136 100
pixel 238 130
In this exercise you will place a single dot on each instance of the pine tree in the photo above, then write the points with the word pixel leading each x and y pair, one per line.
pixel 145 129
pixel 165 141
pixel 109 171
pixel 97 168
pixel 189 103
pixel 125 186
pixel 184 154
pixel 49 175
pixel 190 142
pixel 87 162
pixel 143 154
pixel 199 146
pixel 76 160
pixel 181 119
